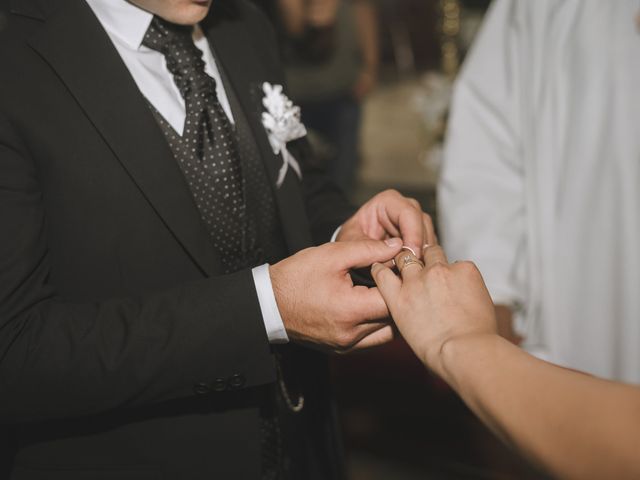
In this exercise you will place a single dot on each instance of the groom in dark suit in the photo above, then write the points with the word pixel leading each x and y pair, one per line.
pixel 155 317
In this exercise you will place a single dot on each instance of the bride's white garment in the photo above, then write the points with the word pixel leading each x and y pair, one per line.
pixel 541 181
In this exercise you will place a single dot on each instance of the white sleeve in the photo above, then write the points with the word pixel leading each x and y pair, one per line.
pixel 268 306
pixel 270 314
pixel 334 237
pixel 481 191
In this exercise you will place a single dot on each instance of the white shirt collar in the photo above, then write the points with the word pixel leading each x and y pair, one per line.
pixel 122 19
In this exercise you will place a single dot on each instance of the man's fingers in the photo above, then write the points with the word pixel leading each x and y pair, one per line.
pixel 388 222
pixel 366 329
pixel 405 215
pixel 379 337
pixel 359 254
pixel 410 223
pixel 433 254
pixel 369 313
pixel 367 304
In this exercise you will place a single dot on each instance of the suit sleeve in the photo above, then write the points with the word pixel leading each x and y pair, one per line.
pixel 326 204
pixel 60 358
pixel 482 189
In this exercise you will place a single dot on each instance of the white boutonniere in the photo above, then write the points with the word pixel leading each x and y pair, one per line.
pixel 283 125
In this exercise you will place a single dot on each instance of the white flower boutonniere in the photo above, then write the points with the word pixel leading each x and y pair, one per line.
pixel 283 125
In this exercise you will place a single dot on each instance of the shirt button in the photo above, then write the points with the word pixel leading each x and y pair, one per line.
pixel 219 385
pixel 201 388
pixel 236 381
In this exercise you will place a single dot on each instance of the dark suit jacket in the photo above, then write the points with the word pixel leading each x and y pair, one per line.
pixel 123 352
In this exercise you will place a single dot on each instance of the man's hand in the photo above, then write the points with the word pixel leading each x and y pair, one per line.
pixel 390 215
pixel 436 304
pixel 318 302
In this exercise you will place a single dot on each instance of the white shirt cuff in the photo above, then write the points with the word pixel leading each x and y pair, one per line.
pixel 335 234
pixel 266 298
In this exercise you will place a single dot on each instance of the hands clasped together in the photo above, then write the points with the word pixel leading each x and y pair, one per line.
pixel 428 302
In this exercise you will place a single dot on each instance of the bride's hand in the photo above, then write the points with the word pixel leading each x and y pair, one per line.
pixel 434 304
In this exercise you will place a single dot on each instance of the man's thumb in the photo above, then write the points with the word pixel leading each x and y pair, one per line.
pixel 364 253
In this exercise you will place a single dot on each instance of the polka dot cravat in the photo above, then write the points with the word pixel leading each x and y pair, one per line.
pixel 206 151
pixel 223 168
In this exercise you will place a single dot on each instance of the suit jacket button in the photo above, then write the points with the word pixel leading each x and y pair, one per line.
pixel 236 381
pixel 201 388
pixel 219 385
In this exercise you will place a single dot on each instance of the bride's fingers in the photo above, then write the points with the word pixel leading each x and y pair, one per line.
pixel 388 283
pixel 429 230
pixel 432 255
pixel 408 264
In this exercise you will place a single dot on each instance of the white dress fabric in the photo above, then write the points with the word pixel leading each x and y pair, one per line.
pixel 541 179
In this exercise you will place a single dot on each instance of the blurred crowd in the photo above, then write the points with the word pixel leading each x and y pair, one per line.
pixel 331 54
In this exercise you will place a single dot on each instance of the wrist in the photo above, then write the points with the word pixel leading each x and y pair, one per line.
pixel 279 293
pixel 287 298
pixel 462 355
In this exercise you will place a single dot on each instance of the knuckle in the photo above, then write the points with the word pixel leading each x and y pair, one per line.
pixel 371 247
pixel 391 193
pixel 334 249
pixel 438 271
pixel 344 340
pixel 440 268
pixel 468 267
pixel 334 252
pixel 414 203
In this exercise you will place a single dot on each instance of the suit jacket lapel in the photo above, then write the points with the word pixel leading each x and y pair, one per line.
pixel 75 45
pixel 228 38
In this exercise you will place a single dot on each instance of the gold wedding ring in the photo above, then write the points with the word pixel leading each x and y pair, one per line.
pixel 406 258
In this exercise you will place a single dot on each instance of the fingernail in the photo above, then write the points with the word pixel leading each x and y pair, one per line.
pixel 394 242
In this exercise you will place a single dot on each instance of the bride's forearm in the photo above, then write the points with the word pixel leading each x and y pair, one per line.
pixel 575 425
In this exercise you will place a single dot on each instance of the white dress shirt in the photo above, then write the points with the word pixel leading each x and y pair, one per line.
pixel 541 180
pixel 126 25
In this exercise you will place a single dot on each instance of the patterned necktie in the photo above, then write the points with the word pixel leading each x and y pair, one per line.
pixel 208 155
pixel 207 150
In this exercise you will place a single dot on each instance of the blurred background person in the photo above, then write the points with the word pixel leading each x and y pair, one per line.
pixel 331 54
pixel 541 180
